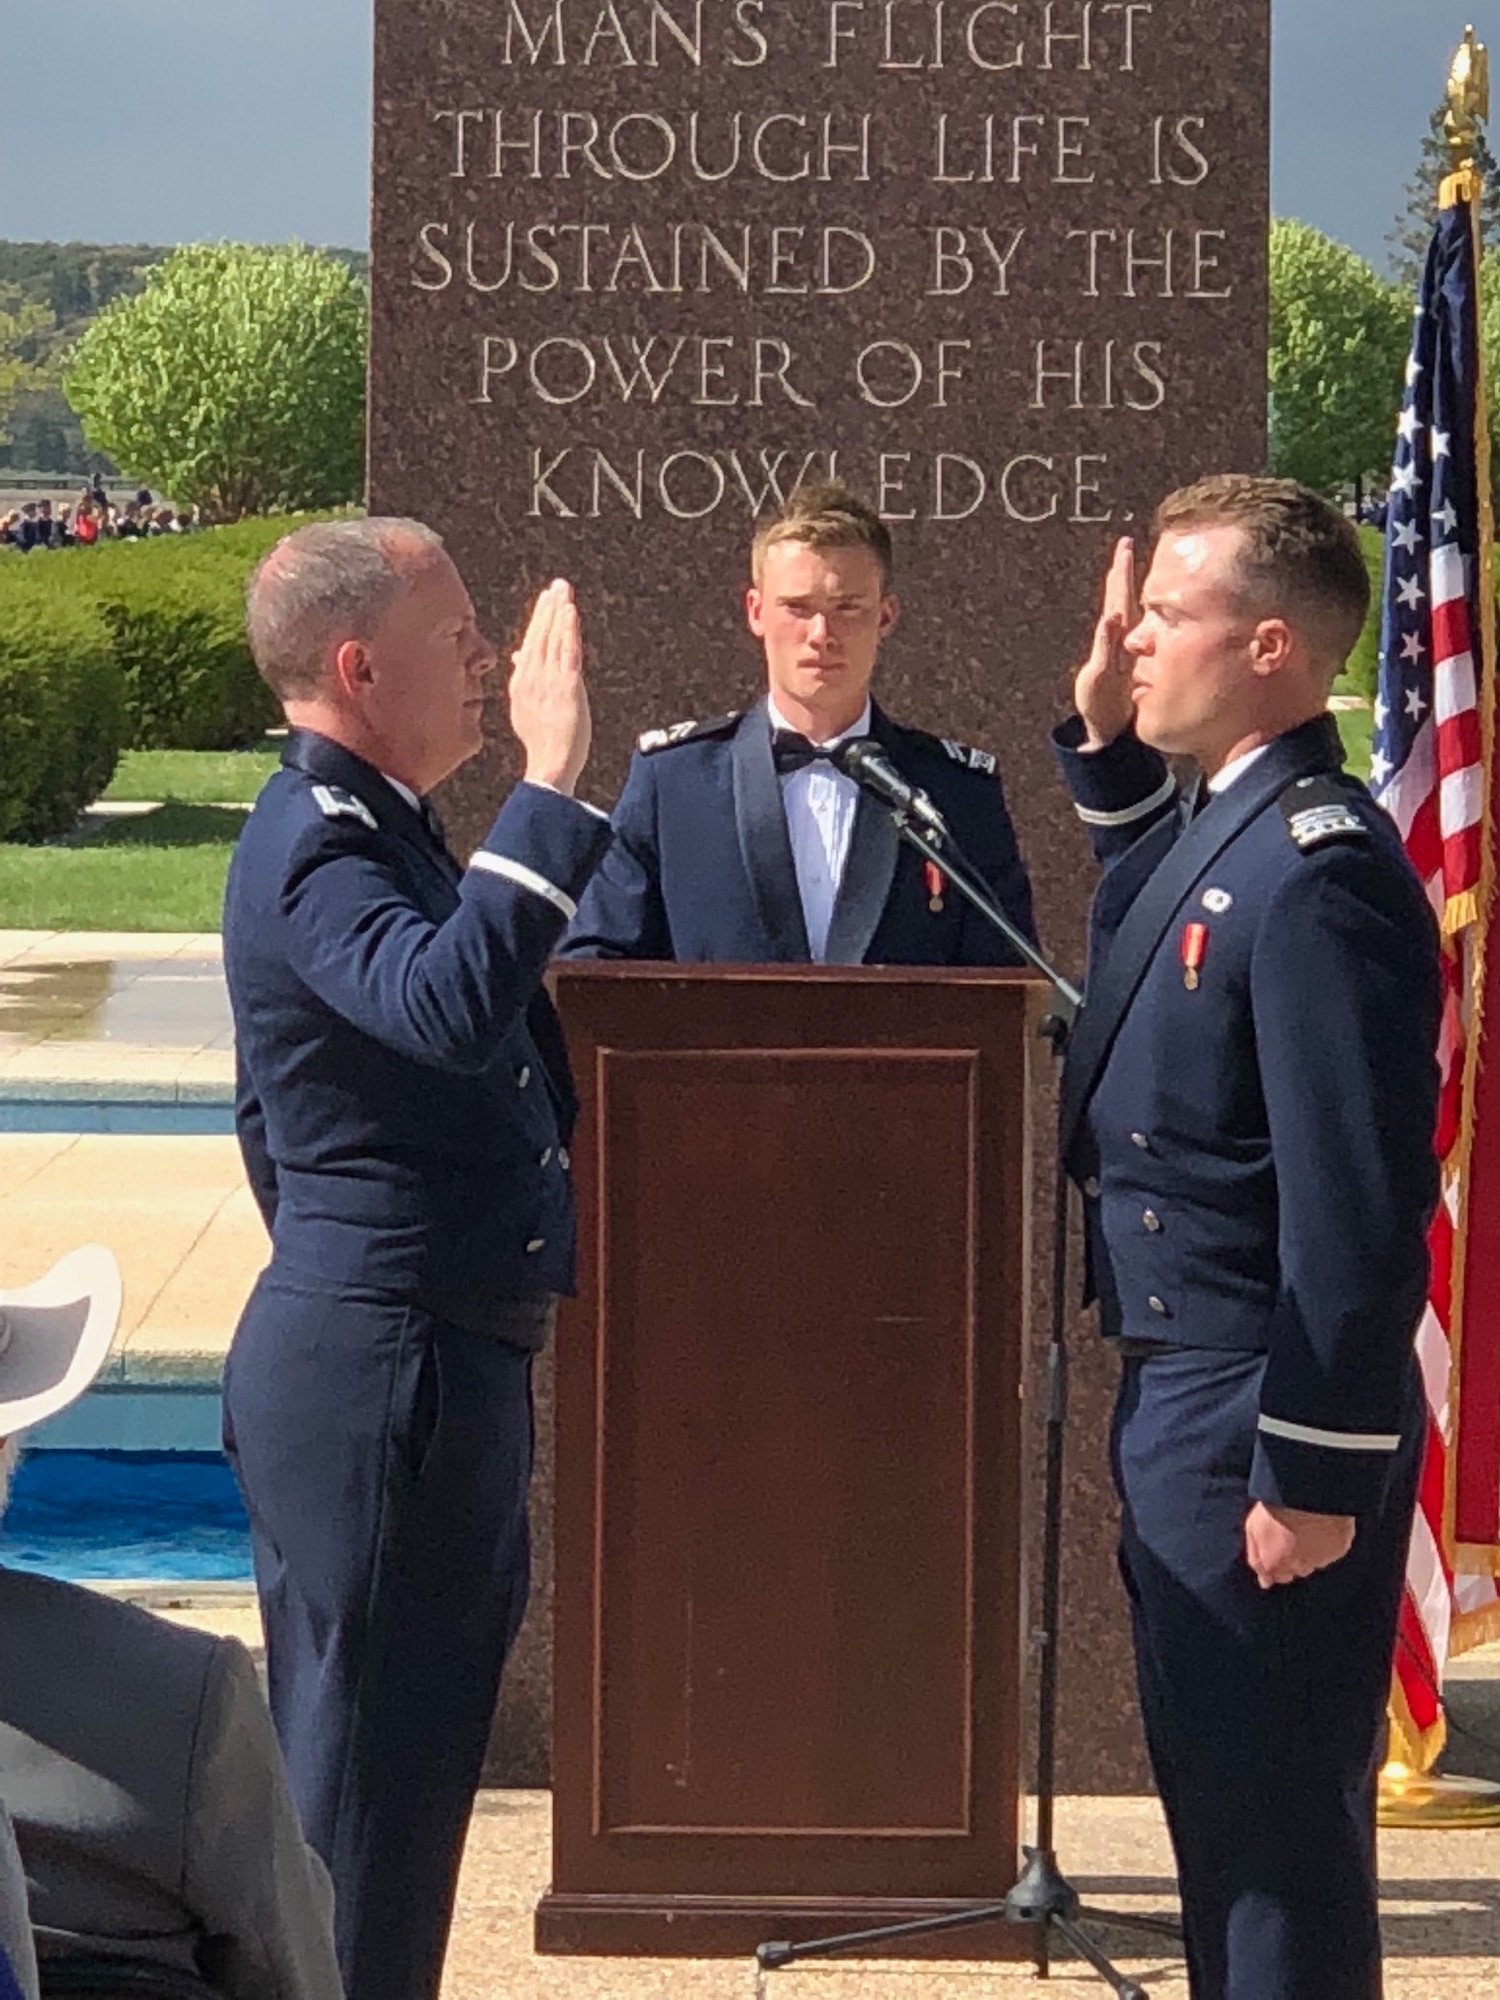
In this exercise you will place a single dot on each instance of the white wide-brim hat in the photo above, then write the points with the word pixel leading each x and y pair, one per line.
pixel 55 1336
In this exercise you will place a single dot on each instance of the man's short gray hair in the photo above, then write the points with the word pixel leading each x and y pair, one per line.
pixel 323 584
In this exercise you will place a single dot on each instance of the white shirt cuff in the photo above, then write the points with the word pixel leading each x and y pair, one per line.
pixel 538 785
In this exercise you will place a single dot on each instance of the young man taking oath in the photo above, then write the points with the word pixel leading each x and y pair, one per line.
pixel 1248 1106
pixel 741 839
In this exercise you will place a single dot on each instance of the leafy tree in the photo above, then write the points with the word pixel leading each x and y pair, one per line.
pixel 1413 231
pixel 1340 335
pixel 23 323
pixel 234 381
pixel 1489 345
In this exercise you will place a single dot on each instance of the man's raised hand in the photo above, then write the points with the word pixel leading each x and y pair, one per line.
pixel 1101 691
pixel 549 703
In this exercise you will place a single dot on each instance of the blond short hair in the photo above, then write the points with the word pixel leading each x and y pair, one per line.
pixel 1300 557
pixel 825 514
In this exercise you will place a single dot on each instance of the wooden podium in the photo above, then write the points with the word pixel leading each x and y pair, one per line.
pixel 788 1589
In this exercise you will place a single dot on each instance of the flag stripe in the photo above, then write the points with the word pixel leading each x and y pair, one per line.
pixel 1428 764
pixel 1476 1494
pixel 1452 636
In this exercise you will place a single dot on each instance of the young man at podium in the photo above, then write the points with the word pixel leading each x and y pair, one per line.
pixel 741 839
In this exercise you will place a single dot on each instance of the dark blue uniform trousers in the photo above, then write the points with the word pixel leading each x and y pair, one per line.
pixel 1264 1709
pixel 384 1456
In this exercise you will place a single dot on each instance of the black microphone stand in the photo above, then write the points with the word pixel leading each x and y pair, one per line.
pixel 1043 1897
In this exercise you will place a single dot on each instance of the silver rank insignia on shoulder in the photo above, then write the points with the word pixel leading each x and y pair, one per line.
pixel 659 739
pixel 684 732
pixel 972 760
pixel 1319 823
pixel 335 803
pixel 1318 809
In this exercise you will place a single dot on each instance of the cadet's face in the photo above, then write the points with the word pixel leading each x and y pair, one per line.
pixel 428 665
pixel 1193 683
pixel 821 615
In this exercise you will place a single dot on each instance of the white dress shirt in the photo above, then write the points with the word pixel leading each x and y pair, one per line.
pixel 405 791
pixel 1235 768
pixel 820 804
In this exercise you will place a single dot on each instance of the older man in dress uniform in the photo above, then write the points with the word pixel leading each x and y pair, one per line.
pixel 741 838
pixel 404 1104
pixel 1249 1106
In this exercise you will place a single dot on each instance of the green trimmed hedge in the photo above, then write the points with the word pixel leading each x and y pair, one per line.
pixel 173 608
pixel 62 712
pixel 1363 667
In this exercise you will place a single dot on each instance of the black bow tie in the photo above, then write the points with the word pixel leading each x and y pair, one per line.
pixel 794 753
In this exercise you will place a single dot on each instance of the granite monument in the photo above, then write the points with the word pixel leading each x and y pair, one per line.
pixel 641 265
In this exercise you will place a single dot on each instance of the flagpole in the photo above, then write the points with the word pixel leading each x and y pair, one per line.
pixel 1411 1793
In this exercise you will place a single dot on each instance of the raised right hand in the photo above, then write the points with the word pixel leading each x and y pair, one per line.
pixel 1101 690
pixel 549 703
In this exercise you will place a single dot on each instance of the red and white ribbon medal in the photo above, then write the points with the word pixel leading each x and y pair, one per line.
pixel 1194 951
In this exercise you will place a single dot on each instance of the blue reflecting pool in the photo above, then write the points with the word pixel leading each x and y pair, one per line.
pixel 98 1515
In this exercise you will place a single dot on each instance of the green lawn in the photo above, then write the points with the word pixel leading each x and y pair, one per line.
pixel 108 892
pixel 162 872
pixel 195 777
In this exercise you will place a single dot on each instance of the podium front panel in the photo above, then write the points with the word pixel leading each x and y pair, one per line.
pixel 787 1618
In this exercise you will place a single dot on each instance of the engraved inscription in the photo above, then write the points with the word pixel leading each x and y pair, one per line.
pixel 864 236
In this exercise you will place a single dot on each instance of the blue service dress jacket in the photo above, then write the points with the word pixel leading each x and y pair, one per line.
pixel 701 869
pixel 404 1100
pixel 1250 1098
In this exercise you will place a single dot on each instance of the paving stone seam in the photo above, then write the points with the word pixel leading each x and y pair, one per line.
pixel 44 1165
pixel 155 1299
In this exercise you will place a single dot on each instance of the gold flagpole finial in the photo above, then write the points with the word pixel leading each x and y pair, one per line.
pixel 1468 100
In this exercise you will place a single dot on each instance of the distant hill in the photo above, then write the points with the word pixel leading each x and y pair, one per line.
pixel 73 281
pixel 76 280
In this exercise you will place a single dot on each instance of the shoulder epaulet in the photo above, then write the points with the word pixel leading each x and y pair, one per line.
pixel 335 803
pixel 971 760
pixel 686 732
pixel 1319 809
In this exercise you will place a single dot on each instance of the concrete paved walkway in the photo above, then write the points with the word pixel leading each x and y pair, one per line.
pixel 107 1020
pixel 145 1014
pixel 1441 1908
pixel 175 1211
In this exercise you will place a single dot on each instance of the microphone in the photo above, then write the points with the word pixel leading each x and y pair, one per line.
pixel 867 764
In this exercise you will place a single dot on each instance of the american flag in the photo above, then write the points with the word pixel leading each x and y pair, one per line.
pixel 1430 769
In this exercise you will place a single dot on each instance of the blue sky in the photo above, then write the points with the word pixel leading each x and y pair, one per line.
pixel 166 121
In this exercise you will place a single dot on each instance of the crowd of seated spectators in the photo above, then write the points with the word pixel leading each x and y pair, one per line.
pixel 93 518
